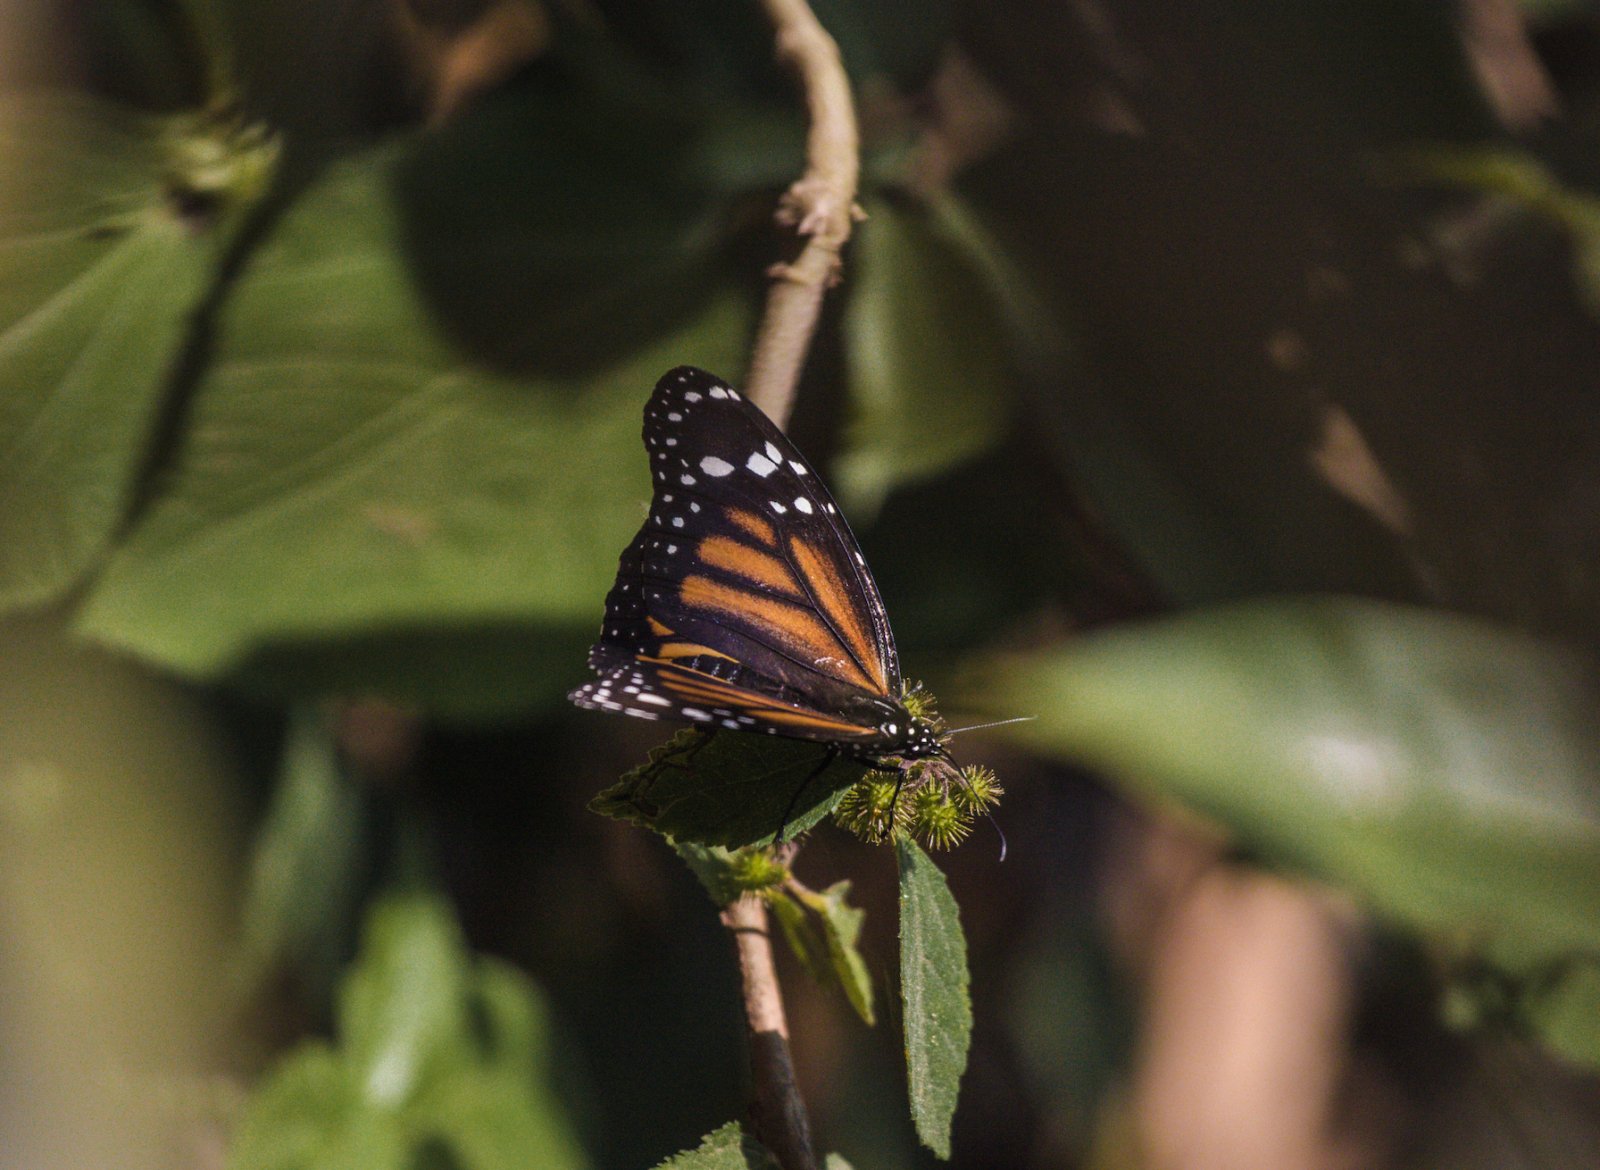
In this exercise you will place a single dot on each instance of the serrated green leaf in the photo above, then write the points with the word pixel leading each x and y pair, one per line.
pixel 309 1115
pixel 300 899
pixel 802 937
pixel 100 271
pixel 841 927
pixel 416 454
pixel 927 358
pixel 1446 769
pixel 403 1009
pixel 933 986
pixel 727 1148
pixel 733 791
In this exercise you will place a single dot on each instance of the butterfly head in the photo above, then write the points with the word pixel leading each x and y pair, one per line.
pixel 912 737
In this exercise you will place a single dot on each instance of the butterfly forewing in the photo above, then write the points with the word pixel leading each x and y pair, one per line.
pixel 744 600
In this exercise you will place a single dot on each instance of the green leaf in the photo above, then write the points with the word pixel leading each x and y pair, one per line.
pixel 927 357
pixel 727 1148
pixel 1446 769
pixel 306 866
pixel 498 1114
pixel 802 937
pixel 440 1060
pixel 309 1115
pixel 101 267
pixel 933 985
pixel 1565 1016
pixel 841 927
pixel 713 865
pixel 835 1162
pixel 734 790
pixel 403 1009
pixel 416 455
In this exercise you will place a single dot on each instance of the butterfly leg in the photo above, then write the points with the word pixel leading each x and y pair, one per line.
pixel 831 755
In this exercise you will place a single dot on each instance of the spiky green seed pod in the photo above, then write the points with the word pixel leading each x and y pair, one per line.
pixel 755 869
pixel 977 791
pixel 936 820
pixel 870 810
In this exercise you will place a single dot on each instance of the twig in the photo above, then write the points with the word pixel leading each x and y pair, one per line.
pixel 779 1111
pixel 821 206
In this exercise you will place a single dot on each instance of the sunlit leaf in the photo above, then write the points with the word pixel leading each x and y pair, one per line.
pixel 404 1007
pixel 416 455
pixel 1447 770
pixel 440 1059
pixel 801 935
pixel 110 228
pixel 841 928
pixel 933 986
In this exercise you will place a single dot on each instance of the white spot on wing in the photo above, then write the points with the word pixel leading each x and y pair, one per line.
pixel 802 505
pixel 718 392
pixel 713 466
pixel 774 454
pixel 777 507
pixel 799 468
pixel 761 465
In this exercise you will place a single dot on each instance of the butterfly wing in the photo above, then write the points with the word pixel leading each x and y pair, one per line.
pixel 744 592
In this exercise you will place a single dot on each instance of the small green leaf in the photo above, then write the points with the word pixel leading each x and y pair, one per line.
pixel 403 1009
pixel 440 1061
pixel 101 269
pixel 310 1113
pixel 713 865
pixel 734 790
pixel 841 927
pixel 803 939
pixel 927 358
pixel 933 985
pixel 727 1148
pixel 1446 769
pixel 300 901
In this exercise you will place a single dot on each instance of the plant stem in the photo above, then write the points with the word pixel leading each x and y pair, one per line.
pixel 821 206
pixel 778 1110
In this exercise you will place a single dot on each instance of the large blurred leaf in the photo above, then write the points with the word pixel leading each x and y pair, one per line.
pixel 934 985
pixel 354 482
pixel 1447 770
pixel 440 1060
pixel 927 353
pixel 104 254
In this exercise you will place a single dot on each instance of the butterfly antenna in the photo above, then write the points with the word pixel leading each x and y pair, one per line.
pixel 989 816
pixel 996 723
pixel 998 832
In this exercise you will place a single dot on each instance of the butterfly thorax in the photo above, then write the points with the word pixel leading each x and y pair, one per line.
pixel 908 736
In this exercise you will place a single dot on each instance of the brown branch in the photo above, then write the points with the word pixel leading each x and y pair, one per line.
pixel 778 1110
pixel 820 206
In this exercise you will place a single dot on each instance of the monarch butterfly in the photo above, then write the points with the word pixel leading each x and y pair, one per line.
pixel 744 602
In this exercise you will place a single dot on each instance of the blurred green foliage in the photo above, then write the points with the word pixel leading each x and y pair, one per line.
pixel 308 390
